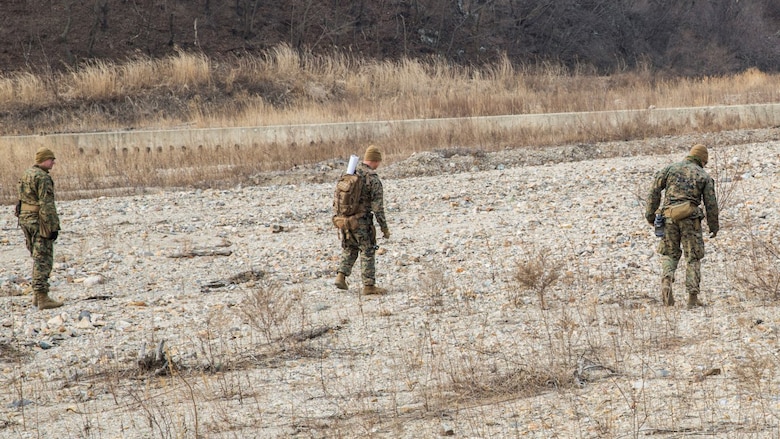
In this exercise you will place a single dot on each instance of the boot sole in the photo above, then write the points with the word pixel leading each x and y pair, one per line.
pixel 42 307
pixel 375 293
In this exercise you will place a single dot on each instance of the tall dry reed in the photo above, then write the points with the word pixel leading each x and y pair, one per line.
pixel 285 86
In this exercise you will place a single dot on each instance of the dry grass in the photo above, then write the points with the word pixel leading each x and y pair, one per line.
pixel 536 273
pixel 285 86
pixel 271 311
pixel 757 268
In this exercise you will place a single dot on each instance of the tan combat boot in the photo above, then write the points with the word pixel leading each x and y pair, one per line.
pixel 373 289
pixel 666 291
pixel 341 281
pixel 693 301
pixel 43 301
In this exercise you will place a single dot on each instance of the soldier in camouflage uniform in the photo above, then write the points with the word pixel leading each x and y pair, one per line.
pixel 685 181
pixel 363 239
pixel 39 220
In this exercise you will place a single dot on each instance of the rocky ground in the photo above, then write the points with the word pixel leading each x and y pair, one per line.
pixel 523 302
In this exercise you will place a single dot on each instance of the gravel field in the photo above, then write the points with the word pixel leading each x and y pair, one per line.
pixel 212 313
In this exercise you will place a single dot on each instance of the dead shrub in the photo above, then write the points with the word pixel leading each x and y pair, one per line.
pixel 157 361
pixel 271 310
pixel 433 284
pixel 478 376
pixel 478 382
pixel 757 270
pixel 754 371
pixel 536 273
pixel 727 175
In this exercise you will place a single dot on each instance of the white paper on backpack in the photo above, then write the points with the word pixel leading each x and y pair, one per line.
pixel 353 161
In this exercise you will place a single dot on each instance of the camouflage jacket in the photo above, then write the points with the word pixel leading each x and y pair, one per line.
pixel 373 195
pixel 37 188
pixel 684 181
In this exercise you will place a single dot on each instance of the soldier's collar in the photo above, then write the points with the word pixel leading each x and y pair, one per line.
pixel 694 159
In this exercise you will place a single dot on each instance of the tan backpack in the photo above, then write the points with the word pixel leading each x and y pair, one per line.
pixel 347 208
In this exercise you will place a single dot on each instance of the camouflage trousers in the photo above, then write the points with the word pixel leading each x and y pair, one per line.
pixel 683 237
pixel 41 250
pixel 362 242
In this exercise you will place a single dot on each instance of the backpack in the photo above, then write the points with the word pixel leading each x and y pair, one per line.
pixel 347 208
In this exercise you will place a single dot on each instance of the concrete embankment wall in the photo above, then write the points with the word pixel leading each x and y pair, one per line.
pixel 731 117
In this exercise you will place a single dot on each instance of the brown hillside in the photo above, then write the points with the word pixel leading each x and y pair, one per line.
pixel 685 37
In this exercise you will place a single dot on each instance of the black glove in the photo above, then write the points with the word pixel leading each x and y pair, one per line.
pixel 53 235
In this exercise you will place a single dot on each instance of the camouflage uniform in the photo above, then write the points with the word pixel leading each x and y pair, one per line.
pixel 684 181
pixel 36 188
pixel 363 239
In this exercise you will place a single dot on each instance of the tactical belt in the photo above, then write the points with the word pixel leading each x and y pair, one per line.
pixel 30 207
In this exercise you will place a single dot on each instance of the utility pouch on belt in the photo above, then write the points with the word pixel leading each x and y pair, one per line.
pixel 680 211
pixel 44 229
pixel 346 222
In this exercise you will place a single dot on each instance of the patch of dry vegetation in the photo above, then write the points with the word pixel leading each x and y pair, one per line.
pixel 757 270
pixel 284 86
pixel 536 273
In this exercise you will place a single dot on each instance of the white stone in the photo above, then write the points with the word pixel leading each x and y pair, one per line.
pixel 91 281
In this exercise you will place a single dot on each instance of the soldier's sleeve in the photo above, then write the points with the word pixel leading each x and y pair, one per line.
pixel 47 216
pixel 654 197
pixel 711 205
pixel 378 201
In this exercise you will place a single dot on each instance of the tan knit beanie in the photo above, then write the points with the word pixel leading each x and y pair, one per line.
pixel 373 154
pixel 700 152
pixel 43 154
